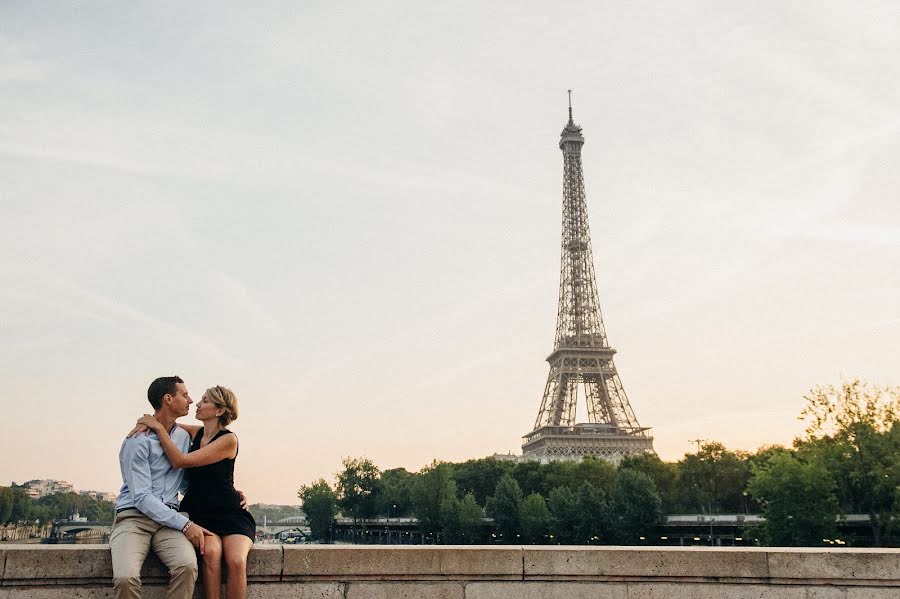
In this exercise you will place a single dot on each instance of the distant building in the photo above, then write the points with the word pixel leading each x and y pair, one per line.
pixel 581 363
pixel 38 488
pixel 100 495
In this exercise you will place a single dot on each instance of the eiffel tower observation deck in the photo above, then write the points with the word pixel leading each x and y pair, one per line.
pixel 581 363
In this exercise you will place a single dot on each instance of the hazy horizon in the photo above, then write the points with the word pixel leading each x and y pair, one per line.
pixel 350 215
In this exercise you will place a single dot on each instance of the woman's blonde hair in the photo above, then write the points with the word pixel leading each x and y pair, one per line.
pixel 224 398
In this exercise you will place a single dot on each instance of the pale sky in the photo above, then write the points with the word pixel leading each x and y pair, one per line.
pixel 349 213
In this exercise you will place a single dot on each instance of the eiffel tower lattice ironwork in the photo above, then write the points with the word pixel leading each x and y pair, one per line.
pixel 582 360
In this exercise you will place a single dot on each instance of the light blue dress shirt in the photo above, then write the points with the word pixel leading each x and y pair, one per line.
pixel 150 483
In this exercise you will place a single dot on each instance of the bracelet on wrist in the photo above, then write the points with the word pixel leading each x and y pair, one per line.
pixel 187 526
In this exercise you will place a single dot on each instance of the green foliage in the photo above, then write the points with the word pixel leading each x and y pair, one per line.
pixel 634 507
pixel 853 437
pixel 712 480
pixel 449 519
pixel 471 516
pixel 663 474
pixel 24 509
pixel 356 486
pixel 504 506
pixel 529 476
pixel 461 519
pixel 319 503
pixel 534 519
pixel 798 501
pixel 593 518
pixel 853 431
pixel 6 504
pixel 480 476
pixel 832 411
pixel 599 473
pixel 431 489
pixel 16 506
pixel 393 493
pixel 564 516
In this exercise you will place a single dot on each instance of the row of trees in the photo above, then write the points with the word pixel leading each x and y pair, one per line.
pixel 17 506
pixel 589 501
pixel 846 462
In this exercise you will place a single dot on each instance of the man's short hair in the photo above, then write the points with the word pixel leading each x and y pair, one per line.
pixel 160 387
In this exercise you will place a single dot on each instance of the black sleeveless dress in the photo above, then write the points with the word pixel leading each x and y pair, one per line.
pixel 211 500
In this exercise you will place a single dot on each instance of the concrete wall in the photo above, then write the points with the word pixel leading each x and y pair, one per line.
pixel 480 572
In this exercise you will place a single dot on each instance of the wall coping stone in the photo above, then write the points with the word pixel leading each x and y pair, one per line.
pixel 74 565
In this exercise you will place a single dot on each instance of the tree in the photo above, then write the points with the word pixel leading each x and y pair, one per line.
pixel 634 507
pixel 356 486
pixel 530 476
pixel 99 511
pixel 853 431
pixel 600 473
pixel 480 476
pixel 563 506
pixel 798 501
pixel 713 480
pixel 504 506
pixel 593 518
pixel 6 504
pixel 449 517
pixel 393 493
pixel 471 516
pixel 534 519
pixel 831 411
pixel 663 474
pixel 428 494
pixel 461 519
pixel 319 503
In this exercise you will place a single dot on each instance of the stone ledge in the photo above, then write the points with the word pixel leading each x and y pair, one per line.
pixel 623 563
pixel 311 568
pixel 546 590
pixel 861 565
pixel 372 562
pixel 85 564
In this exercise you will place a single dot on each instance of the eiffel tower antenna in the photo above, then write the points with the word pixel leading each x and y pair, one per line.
pixel 582 360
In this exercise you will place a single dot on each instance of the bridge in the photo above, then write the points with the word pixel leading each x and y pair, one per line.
pixel 70 530
pixel 684 530
pixel 285 525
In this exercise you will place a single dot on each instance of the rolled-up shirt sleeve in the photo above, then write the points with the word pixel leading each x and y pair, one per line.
pixel 137 476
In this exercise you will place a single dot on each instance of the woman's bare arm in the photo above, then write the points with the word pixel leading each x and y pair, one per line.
pixel 190 428
pixel 225 447
pixel 143 428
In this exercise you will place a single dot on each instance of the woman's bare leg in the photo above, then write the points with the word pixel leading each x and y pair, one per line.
pixel 235 549
pixel 211 566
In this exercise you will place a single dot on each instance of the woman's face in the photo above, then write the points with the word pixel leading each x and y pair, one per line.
pixel 206 409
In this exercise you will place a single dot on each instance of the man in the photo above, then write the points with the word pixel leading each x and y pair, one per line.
pixel 147 507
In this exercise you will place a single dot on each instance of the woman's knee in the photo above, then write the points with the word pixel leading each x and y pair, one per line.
pixel 236 561
pixel 212 551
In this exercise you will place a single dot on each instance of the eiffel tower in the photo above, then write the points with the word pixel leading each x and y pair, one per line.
pixel 582 360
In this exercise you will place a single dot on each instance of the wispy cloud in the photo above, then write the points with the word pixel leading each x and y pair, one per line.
pixel 55 291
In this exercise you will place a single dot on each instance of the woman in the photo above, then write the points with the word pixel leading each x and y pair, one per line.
pixel 211 499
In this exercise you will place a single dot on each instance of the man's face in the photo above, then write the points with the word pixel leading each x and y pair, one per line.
pixel 181 401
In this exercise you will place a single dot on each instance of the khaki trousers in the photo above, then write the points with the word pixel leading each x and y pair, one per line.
pixel 130 540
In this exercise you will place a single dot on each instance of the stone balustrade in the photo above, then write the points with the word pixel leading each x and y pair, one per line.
pixel 486 572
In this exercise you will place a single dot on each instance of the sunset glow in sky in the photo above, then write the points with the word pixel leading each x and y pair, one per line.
pixel 349 213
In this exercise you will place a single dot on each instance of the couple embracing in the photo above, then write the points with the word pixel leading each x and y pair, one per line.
pixel 162 458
